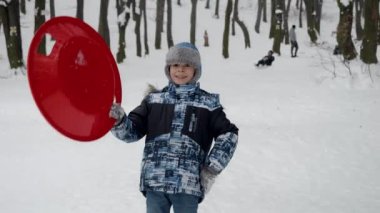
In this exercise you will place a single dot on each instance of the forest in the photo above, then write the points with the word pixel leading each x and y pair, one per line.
pixel 358 17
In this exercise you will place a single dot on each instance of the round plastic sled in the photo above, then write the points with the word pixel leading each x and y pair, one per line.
pixel 75 84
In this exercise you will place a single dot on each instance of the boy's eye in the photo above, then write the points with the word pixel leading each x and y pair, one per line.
pixel 175 65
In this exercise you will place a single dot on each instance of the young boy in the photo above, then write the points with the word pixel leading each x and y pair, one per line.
pixel 266 60
pixel 179 122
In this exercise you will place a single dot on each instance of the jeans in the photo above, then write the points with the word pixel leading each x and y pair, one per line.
pixel 160 202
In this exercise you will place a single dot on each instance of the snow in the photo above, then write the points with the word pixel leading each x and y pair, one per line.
pixel 309 131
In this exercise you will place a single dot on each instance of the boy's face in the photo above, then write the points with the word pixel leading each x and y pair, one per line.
pixel 181 73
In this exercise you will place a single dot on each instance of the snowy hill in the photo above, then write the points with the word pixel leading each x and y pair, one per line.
pixel 308 142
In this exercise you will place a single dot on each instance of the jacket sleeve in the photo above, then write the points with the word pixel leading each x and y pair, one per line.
pixel 225 136
pixel 133 127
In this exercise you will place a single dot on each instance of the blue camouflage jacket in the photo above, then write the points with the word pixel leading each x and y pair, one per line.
pixel 180 124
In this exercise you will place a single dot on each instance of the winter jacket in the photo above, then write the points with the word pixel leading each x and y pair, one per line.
pixel 180 123
pixel 292 35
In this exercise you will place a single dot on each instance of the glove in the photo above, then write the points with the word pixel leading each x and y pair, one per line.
pixel 117 113
pixel 207 179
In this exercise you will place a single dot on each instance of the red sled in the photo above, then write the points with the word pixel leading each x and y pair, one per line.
pixel 75 85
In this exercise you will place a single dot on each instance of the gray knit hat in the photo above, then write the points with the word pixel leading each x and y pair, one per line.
pixel 184 53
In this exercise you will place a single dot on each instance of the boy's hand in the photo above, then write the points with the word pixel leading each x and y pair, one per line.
pixel 207 179
pixel 116 112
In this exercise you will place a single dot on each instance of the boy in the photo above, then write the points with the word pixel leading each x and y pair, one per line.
pixel 266 60
pixel 293 41
pixel 179 122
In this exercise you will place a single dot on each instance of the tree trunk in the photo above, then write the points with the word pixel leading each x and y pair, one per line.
pixel 137 32
pixel 160 6
pixel 216 15
pixel 278 32
pixel 207 4
pixel 22 7
pixel 227 29
pixel 103 22
pixel 52 8
pixel 272 19
pixel 169 35
pixel 10 19
pixel 286 24
pixel 236 19
pixel 300 15
pixel 39 19
pixel 369 44
pixel 123 18
pixel 143 9
pixel 265 16
pixel 343 35
pixel 260 8
pixel 311 23
pixel 358 18
pixel 80 5
pixel 193 21
pixel 318 14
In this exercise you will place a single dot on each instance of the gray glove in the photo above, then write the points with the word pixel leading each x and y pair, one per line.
pixel 117 113
pixel 207 179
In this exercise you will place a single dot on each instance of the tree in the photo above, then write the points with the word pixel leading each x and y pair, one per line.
pixel 39 19
pixel 216 15
pixel 343 35
pixel 80 5
pixel 103 28
pixel 236 19
pixel 227 29
pixel 143 11
pixel 369 44
pixel 311 20
pixel 160 6
pixel 22 7
pixel 260 9
pixel 52 8
pixel 10 19
pixel 137 18
pixel 169 35
pixel 286 24
pixel 193 21
pixel 278 31
pixel 358 18
pixel 207 4
pixel 123 14
pixel 318 14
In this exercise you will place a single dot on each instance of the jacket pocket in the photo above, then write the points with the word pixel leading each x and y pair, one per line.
pixel 196 125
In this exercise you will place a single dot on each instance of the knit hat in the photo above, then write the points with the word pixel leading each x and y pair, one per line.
pixel 184 53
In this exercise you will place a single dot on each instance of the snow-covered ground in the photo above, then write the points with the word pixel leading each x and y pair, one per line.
pixel 308 142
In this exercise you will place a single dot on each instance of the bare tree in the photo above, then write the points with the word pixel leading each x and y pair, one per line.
pixel 343 35
pixel 286 24
pixel 236 19
pixel 207 4
pixel 160 6
pixel 39 19
pixel 311 20
pixel 369 44
pixel 216 15
pixel 80 5
pixel 358 18
pixel 260 8
pixel 10 19
pixel 227 29
pixel 169 35
pixel 143 11
pixel 22 7
pixel 52 8
pixel 193 21
pixel 103 28
pixel 123 13
pixel 278 31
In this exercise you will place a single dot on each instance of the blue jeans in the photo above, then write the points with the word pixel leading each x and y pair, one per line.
pixel 159 202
